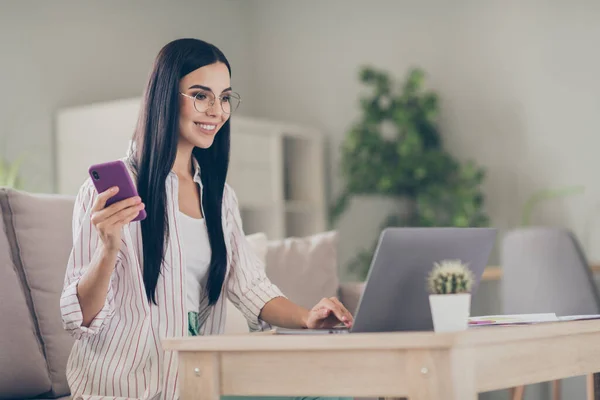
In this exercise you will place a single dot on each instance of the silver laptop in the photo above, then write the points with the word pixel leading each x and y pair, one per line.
pixel 395 296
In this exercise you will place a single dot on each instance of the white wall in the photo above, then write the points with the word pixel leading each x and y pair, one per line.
pixel 66 52
pixel 518 84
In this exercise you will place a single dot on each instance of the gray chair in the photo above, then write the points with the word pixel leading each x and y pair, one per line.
pixel 545 270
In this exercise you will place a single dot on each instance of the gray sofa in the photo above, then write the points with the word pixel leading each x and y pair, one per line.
pixel 35 241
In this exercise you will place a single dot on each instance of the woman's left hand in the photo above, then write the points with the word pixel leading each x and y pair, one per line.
pixel 327 314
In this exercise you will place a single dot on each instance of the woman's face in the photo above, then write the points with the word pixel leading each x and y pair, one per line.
pixel 198 127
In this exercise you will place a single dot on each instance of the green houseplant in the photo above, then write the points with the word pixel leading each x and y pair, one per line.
pixel 395 149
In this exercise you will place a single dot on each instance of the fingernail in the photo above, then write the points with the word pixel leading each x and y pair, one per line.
pixel 114 189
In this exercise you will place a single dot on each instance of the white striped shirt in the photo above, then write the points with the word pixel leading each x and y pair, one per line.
pixel 119 356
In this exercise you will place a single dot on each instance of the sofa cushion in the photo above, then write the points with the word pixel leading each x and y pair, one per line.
pixel 305 269
pixel 236 322
pixel 23 370
pixel 42 230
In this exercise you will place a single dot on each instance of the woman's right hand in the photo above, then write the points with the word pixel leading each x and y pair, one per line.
pixel 109 220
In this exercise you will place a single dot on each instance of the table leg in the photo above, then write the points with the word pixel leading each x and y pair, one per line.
pixel 516 393
pixel 441 375
pixel 199 376
pixel 593 386
pixel 556 389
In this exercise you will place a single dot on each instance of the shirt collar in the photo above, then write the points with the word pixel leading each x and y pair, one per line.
pixel 197 176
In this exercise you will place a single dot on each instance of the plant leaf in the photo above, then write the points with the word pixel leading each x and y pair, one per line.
pixel 9 172
pixel 546 194
pixel 2 173
pixel 13 172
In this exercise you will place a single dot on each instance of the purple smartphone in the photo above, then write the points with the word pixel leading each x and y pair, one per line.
pixel 114 173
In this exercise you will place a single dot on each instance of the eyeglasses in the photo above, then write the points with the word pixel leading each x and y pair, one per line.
pixel 203 100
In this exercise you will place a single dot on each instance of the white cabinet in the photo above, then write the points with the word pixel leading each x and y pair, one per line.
pixel 276 169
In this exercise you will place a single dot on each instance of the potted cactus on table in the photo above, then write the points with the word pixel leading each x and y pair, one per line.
pixel 449 285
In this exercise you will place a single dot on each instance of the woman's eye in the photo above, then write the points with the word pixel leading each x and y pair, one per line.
pixel 225 99
pixel 200 96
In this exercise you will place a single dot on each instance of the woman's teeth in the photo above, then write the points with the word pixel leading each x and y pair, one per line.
pixel 207 127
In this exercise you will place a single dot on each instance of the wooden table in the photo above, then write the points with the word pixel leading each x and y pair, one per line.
pixel 419 365
pixel 495 273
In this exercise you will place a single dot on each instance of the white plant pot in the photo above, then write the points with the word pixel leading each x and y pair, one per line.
pixel 450 312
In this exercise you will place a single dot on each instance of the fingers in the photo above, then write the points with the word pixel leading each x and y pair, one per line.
pixel 337 309
pixel 106 213
pixel 128 214
pixel 347 313
pixel 134 214
pixel 103 198
pixel 122 217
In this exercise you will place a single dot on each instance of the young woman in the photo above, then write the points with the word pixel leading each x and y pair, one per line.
pixel 129 284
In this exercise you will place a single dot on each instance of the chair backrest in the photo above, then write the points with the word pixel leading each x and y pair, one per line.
pixel 545 270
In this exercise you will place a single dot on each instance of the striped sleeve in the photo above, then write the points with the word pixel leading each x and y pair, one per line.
pixel 248 287
pixel 85 243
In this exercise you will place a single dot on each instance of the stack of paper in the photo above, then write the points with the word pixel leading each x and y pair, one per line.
pixel 578 317
pixel 517 319
pixel 525 319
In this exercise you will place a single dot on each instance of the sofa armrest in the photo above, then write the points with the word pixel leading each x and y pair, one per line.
pixel 349 294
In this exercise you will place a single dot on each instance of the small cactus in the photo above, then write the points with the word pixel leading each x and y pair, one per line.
pixel 450 277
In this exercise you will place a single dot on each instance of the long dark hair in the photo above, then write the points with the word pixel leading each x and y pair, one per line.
pixel 155 147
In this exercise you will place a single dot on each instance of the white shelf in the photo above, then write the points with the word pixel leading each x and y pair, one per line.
pixel 300 224
pixel 290 206
pixel 289 161
pixel 260 220
pixel 302 166
pixel 301 206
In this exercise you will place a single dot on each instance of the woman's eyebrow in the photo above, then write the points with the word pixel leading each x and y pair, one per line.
pixel 206 88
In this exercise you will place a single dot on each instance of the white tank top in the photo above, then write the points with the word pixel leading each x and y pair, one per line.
pixel 197 257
